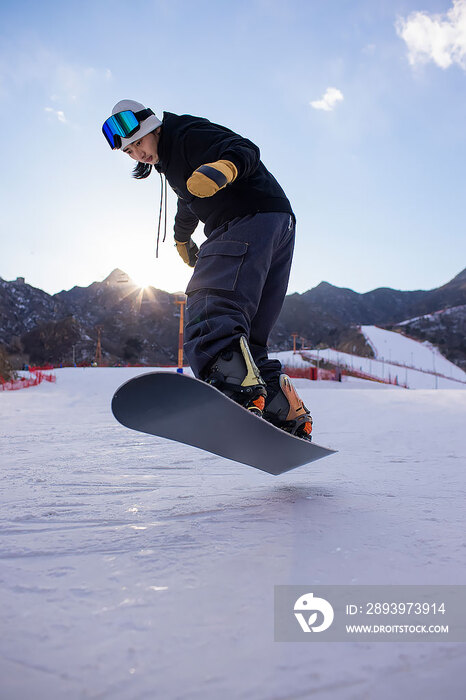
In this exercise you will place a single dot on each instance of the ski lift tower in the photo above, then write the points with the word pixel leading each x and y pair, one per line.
pixel 98 350
pixel 181 301
pixel 294 336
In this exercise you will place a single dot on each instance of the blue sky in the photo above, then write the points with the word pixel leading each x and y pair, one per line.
pixel 377 180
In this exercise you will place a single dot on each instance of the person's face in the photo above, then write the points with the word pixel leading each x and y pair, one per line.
pixel 145 149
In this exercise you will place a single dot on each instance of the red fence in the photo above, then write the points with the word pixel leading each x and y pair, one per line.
pixel 300 372
pixel 37 377
pixel 372 378
pixel 310 373
pixel 336 374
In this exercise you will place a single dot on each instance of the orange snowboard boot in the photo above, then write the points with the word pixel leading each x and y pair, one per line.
pixel 287 411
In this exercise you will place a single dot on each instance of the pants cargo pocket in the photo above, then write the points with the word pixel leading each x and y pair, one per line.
pixel 218 266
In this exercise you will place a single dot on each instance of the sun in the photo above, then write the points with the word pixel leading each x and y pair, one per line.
pixel 143 279
pixel 144 286
pixel 168 273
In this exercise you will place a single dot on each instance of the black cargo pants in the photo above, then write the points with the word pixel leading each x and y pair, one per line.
pixel 237 288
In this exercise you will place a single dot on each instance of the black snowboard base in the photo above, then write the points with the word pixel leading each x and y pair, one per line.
pixel 187 410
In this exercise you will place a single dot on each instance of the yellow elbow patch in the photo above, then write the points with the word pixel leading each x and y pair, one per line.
pixel 208 179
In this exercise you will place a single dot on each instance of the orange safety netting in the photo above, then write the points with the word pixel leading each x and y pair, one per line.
pixel 37 377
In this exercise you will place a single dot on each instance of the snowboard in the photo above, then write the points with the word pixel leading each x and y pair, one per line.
pixel 187 410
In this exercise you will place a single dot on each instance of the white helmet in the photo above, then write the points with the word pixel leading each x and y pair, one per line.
pixel 147 125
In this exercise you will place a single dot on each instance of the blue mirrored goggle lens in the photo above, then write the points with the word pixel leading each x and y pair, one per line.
pixel 123 125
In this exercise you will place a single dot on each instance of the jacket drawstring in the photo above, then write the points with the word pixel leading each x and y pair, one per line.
pixel 163 205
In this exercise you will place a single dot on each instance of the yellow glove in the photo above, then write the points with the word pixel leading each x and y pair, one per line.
pixel 208 179
pixel 188 251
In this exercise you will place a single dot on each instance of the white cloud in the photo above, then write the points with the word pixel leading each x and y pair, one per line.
pixel 72 81
pixel 28 62
pixel 440 38
pixel 58 113
pixel 329 99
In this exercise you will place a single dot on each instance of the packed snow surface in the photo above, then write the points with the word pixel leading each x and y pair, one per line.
pixel 137 568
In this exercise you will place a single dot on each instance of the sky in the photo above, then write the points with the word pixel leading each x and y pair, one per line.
pixel 358 107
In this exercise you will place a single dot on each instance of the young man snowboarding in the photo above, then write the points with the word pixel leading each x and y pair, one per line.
pixel 241 271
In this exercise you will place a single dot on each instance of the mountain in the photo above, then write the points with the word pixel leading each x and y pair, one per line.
pixel 23 307
pixel 141 325
pixel 376 306
pixel 446 329
pixel 138 325
pixel 328 316
pixel 385 305
pixel 94 302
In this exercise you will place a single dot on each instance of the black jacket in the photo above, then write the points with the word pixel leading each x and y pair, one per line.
pixel 187 142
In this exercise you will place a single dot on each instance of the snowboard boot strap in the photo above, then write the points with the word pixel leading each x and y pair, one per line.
pixel 287 411
pixel 236 375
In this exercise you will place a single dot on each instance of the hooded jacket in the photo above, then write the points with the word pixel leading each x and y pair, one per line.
pixel 187 142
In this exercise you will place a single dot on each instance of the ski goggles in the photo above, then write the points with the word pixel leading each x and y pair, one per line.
pixel 123 125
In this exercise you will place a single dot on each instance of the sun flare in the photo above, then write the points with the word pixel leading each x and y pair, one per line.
pixel 144 279
pixel 168 272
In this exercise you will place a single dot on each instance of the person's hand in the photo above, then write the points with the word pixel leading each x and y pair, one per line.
pixel 188 251
pixel 208 179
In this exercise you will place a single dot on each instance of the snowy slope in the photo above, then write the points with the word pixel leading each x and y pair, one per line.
pixel 436 316
pixel 414 379
pixel 397 348
pixel 133 568
pixel 415 364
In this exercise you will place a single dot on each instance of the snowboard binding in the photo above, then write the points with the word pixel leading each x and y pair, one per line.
pixel 236 375
pixel 287 411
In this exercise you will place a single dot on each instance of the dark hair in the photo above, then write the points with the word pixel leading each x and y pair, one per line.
pixel 142 170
